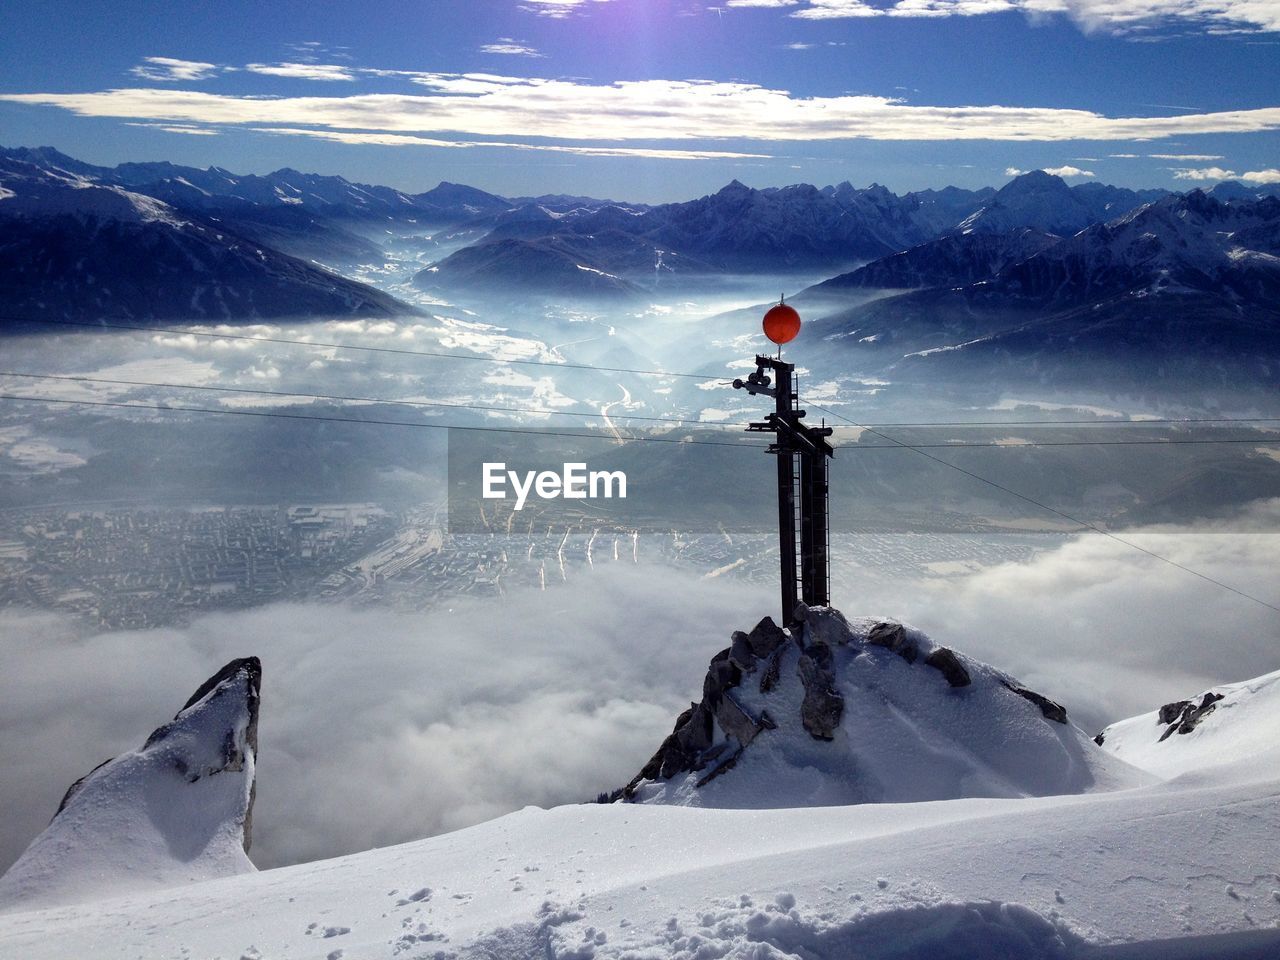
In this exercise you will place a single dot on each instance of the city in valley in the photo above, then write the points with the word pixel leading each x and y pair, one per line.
pixel 119 568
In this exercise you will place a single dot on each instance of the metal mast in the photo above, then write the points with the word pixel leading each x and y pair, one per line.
pixel 803 501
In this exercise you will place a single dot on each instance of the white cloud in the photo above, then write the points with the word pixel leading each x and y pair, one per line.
pixel 380 727
pixel 1218 173
pixel 556 9
pixel 1068 171
pixel 407 140
pixel 169 70
pixel 1116 16
pixel 1063 171
pixel 1190 157
pixel 176 128
pixel 1125 156
pixel 302 71
pixel 1112 632
pixel 497 106
pixel 509 47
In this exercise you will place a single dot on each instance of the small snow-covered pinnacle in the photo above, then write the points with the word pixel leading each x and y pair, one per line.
pixel 176 810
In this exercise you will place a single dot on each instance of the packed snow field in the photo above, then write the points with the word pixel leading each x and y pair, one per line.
pixel 1164 848
pixel 1037 878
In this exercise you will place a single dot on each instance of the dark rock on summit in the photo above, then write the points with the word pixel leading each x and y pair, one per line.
pixel 691 746
pixel 722 674
pixel 894 636
pixel 1050 708
pixel 822 707
pixel 766 637
pixel 833 710
pixel 948 664
pixel 760 643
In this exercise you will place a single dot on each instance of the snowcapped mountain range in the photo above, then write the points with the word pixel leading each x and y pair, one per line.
pixel 901 801
pixel 1087 286
pixel 79 247
pixel 1182 293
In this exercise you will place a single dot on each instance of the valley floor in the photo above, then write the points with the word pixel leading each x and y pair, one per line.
pixel 1057 877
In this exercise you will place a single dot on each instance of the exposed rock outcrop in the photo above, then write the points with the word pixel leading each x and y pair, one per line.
pixel 1050 708
pixel 692 746
pixel 822 707
pixel 948 664
pixel 839 711
pixel 1182 716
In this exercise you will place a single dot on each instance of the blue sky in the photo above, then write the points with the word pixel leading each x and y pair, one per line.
pixel 657 99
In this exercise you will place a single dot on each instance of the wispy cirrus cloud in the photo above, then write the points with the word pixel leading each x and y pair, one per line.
pixel 177 128
pixel 556 9
pixel 507 46
pixel 407 140
pixel 171 70
pixel 1114 16
pixel 1189 157
pixel 486 105
pixel 303 71
pixel 1218 173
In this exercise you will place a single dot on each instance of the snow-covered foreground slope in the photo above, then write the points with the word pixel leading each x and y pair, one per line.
pixel 1034 878
pixel 175 811
pixel 1230 723
pixel 1167 869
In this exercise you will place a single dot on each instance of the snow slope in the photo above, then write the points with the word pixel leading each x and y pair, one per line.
pixel 1231 723
pixel 174 811
pixel 1030 878
pixel 1173 870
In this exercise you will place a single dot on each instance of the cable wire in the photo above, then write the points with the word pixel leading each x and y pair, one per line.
pixel 77 378
pixel 174 331
pixel 386 423
pixel 718 426
pixel 1044 506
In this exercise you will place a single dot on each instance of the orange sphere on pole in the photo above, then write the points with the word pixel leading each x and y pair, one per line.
pixel 781 324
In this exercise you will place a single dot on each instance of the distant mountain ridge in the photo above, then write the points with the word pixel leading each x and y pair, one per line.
pixel 1182 293
pixel 75 247
pixel 1034 233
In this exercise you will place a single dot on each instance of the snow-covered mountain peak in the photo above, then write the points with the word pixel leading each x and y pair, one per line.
pixel 176 810
pixel 35 191
pixel 854 711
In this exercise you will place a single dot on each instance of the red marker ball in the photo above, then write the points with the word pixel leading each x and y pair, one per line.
pixel 781 324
